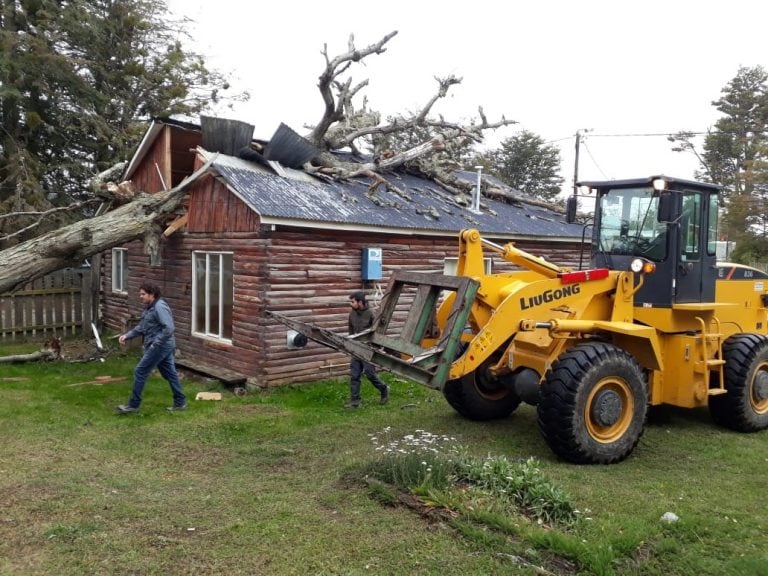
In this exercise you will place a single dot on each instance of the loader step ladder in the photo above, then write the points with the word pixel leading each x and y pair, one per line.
pixel 395 344
pixel 706 365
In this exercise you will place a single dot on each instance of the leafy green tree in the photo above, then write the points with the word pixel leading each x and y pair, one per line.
pixel 735 155
pixel 527 163
pixel 751 250
pixel 736 151
pixel 77 79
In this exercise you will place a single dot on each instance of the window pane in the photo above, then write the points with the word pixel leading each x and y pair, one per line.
pixel 214 293
pixel 714 206
pixel 124 270
pixel 198 317
pixel 119 270
pixel 691 225
pixel 228 296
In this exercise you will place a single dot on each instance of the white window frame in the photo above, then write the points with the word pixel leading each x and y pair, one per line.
pixel 208 331
pixel 120 270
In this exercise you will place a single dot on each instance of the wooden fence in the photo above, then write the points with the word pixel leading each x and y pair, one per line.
pixel 60 304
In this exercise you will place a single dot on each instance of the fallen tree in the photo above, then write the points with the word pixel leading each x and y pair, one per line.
pixel 142 217
pixel 342 126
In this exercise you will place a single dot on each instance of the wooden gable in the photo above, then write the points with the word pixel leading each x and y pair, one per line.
pixel 213 208
pixel 170 158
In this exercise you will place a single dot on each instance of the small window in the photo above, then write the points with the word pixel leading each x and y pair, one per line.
pixel 120 270
pixel 212 294
pixel 714 207
pixel 450 265
pixel 690 225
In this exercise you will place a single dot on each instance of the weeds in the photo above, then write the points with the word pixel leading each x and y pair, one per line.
pixel 428 464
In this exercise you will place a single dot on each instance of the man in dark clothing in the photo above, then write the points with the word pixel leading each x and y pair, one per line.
pixel 157 328
pixel 360 319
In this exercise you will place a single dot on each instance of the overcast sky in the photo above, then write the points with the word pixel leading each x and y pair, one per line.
pixel 624 71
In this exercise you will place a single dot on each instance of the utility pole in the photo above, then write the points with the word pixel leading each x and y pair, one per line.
pixel 579 133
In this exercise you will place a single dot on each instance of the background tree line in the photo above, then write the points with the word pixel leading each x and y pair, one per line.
pixel 77 77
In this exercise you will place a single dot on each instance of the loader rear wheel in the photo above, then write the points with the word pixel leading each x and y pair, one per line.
pixel 593 404
pixel 480 396
pixel 744 407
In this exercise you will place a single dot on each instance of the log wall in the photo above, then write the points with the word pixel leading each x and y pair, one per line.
pixel 305 274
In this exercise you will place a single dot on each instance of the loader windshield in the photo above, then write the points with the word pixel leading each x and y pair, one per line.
pixel 628 224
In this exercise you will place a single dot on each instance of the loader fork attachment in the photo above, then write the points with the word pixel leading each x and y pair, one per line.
pixel 397 346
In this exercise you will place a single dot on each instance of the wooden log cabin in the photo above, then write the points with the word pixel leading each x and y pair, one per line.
pixel 259 234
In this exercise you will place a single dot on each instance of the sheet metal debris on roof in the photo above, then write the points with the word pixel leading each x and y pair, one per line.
pixel 289 148
pixel 417 204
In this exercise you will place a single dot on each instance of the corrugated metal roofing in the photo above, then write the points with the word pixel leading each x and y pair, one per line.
pixel 289 148
pixel 419 205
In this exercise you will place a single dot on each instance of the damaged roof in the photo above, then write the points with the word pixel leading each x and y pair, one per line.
pixel 414 205
pixel 410 205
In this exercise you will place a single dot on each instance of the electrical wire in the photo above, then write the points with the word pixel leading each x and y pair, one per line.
pixel 584 144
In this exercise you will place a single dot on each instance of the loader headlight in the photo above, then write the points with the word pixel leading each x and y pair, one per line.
pixel 640 265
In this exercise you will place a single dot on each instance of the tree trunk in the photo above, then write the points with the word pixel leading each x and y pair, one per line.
pixel 69 246
pixel 33 357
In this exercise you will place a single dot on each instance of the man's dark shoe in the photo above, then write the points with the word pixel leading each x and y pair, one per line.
pixel 352 404
pixel 384 396
pixel 177 408
pixel 126 409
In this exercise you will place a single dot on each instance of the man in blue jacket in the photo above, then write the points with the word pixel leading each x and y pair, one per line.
pixel 157 328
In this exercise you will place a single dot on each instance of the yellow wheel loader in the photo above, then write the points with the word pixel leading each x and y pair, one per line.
pixel 654 320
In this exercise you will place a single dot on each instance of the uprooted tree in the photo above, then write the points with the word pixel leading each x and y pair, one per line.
pixel 342 126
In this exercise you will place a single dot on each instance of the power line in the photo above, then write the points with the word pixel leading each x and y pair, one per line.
pixel 584 143
pixel 684 132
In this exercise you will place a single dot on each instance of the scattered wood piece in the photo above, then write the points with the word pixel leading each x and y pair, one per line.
pixel 208 396
pixel 13 379
pixel 98 381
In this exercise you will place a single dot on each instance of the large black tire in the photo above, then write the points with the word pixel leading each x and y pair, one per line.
pixel 744 407
pixel 594 403
pixel 479 396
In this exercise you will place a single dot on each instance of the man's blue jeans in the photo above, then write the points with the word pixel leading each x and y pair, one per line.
pixel 160 357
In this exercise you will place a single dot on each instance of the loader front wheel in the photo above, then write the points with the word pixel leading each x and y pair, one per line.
pixel 594 404
pixel 744 407
pixel 480 396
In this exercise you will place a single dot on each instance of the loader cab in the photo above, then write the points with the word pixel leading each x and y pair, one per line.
pixel 669 221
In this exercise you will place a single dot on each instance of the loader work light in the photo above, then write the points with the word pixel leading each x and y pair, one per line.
pixel 640 265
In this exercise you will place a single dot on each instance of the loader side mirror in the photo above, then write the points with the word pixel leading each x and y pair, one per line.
pixel 571 204
pixel 666 208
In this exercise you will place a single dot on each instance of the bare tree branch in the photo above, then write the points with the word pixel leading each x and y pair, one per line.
pixel 334 68
pixel 41 216
pixel 342 126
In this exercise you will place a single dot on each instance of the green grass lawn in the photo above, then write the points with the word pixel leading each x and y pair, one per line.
pixel 273 483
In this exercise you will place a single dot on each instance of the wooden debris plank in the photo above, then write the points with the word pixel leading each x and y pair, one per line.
pixel 227 377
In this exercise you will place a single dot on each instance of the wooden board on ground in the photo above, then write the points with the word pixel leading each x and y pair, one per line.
pixel 99 380
pixel 227 377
